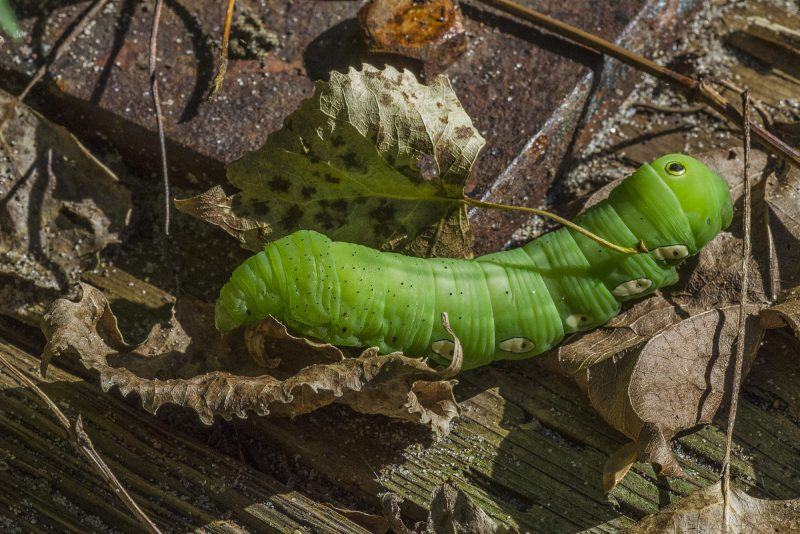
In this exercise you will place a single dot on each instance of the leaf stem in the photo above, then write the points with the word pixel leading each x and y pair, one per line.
pixel 693 88
pixel 638 249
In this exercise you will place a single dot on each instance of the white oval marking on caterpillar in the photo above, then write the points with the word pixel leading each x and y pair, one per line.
pixel 632 287
pixel 576 319
pixel 671 252
pixel 444 348
pixel 517 345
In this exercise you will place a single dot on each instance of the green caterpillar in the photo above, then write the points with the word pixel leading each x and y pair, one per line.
pixel 507 305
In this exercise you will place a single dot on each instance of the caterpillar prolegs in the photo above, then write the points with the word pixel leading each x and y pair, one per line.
pixel 507 305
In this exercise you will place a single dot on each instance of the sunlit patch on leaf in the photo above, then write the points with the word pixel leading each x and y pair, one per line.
pixel 373 157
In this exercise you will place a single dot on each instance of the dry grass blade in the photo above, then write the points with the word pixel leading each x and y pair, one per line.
pixel 694 88
pixel 80 440
pixel 222 66
pixel 152 64
pixel 739 357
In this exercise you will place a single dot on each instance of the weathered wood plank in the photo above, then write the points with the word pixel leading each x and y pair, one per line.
pixel 182 484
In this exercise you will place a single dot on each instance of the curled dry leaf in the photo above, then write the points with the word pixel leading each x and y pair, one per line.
pixel 430 32
pixel 373 157
pixel 188 363
pixel 268 339
pixel 786 312
pixel 215 207
pixel 702 512
pixel 59 206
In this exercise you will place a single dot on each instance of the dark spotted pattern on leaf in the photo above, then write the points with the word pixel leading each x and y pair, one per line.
pixel 373 157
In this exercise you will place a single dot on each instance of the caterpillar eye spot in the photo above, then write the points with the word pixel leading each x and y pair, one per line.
pixel 671 252
pixel 517 345
pixel 444 348
pixel 632 287
pixel 675 168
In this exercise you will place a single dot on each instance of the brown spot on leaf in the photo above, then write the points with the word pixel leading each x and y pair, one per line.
pixel 339 205
pixel 353 163
pixel 291 219
pixel 428 168
pixel 324 219
pixel 280 184
pixel 464 132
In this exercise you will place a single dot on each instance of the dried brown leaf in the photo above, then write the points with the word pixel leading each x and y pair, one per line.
pixel 390 504
pixel 216 207
pixel 785 313
pixel 618 465
pixel 450 511
pixel 188 363
pixel 268 340
pixel 676 381
pixel 59 206
pixel 702 512
pixel 453 512
pixel 783 203
pixel 631 328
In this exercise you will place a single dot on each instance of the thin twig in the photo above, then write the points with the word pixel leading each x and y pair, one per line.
pixel 669 109
pixel 638 249
pixel 62 47
pixel 222 66
pixel 756 104
pixel 157 106
pixel 79 439
pixel 740 339
pixel 694 88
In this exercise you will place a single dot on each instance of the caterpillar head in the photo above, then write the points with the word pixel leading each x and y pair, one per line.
pixel 703 195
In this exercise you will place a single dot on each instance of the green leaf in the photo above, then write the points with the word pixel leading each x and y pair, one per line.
pixel 373 157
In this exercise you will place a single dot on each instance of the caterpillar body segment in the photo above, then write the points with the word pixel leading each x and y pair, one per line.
pixel 507 305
